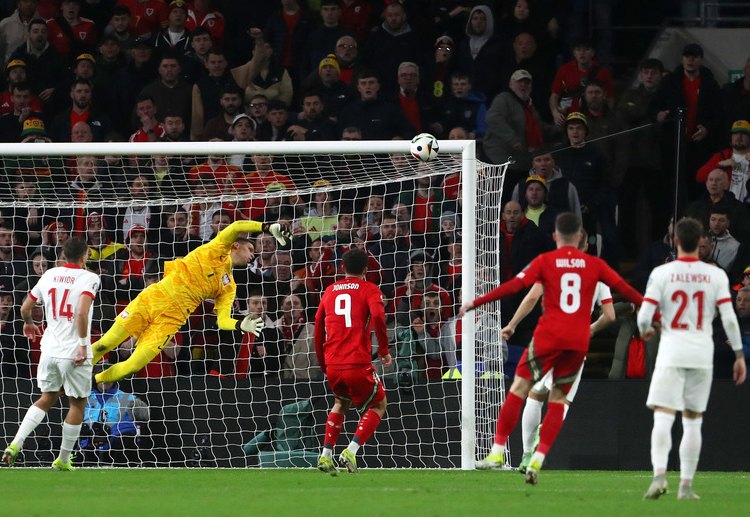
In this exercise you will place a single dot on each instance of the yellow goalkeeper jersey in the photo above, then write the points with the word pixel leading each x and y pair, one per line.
pixel 206 274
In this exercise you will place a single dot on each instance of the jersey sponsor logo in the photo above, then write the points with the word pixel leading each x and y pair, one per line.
pixel 342 287
pixel 577 263
pixel 124 314
pixel 690 278
pixel 225 279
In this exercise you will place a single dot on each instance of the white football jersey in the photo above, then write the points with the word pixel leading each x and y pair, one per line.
pixel 687 291
pixel 59 290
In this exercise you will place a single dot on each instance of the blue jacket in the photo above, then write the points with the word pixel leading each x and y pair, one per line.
pixel 113 408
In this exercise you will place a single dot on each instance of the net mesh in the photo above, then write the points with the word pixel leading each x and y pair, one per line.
pixel 216 398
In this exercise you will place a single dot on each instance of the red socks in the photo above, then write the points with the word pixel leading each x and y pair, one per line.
pixel 334 423
pixel 366 426
pixel 551 426
pixel 508 418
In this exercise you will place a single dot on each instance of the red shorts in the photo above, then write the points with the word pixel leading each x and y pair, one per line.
pixel 360 384
pixel 563 363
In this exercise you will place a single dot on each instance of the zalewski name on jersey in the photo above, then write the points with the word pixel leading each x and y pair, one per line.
pixel 690 278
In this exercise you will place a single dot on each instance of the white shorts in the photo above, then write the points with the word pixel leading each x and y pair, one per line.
pixel 680 388
pixel 54 373
pixel 544 385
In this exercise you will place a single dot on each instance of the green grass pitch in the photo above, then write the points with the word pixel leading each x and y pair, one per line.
pixel 416 493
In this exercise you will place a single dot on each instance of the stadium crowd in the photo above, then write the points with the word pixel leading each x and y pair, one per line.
pixel 517 76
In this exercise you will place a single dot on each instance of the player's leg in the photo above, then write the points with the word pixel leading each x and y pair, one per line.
pixel 368 394
pixel 34 416
pixel 334 424
pixel 50 382
pixel 110 340
pixel 697 390
pixel 71 429
pixel 566 367
pixel 530 369
pixel 664 399
pixel 151 342
pixel 77 385
pixel 532 417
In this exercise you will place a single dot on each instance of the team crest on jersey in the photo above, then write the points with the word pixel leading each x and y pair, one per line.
pixel 82 35
pixel 225 279
pixel 211 23
pixel 149 11
pixel 124 314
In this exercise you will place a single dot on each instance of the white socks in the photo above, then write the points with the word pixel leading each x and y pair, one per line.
pixel 532 416
pixel 70 434
pixel 34 416
pixel 690 448
pixel 661 441
pixel 326 453
pixel 497 449
pixel 353 447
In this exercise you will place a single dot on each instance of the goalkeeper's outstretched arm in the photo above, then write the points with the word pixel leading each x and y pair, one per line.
pixel 230 234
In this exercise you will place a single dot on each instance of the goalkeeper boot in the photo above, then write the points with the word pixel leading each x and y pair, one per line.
pixel 327 465
pixel 67 466
pixel 10 454
pixel 686 492
pixel 525 459
pixel 657 488
pixel 349 460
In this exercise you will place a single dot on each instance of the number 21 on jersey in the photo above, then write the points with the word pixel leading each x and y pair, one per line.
pixel 683 299
pixel 342 306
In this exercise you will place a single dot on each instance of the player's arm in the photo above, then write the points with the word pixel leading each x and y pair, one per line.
pixel 320 336
pixel 30 329
pixel 82 327
pixel 649 306
pixel 377 315
pixel 605 318
pixel 230 234
pixel 523 310
pixel 616 282
pixel 519 282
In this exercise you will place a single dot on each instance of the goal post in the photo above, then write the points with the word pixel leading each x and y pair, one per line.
pixel 464 259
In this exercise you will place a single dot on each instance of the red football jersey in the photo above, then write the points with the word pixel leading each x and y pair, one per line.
pixel 84 30
pixel 569 277
pixel 348 310
pixel 146 17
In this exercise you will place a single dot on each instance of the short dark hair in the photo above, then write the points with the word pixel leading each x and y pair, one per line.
pixel 355 261
pixel 231 89
pixel 23 86
pixel 120 10
pixel 36 21
pixel 567 224
pixel 84 82
pixel 721 209
pixel 652 64
pixel 688 232
pixel 200 31
pixel 74 249
pixel 216 51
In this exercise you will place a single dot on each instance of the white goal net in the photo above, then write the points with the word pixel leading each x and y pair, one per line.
pixel 217 398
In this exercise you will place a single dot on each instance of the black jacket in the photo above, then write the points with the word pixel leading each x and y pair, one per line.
pixel 378 120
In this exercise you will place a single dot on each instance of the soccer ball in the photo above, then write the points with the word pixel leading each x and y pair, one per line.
pixel 424 147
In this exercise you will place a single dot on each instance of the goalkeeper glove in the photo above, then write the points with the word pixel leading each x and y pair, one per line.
pixel 279 231
pixel 251 325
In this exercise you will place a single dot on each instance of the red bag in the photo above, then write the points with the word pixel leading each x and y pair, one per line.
pixel 636 359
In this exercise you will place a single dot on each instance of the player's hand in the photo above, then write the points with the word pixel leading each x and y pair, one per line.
pixel 649 333
pixel 467 307
pixel 31 331
pixel 279 231
pixel 507 332
pixel 80 357
pixel 386 360
pixel 739 371
pixel 252 325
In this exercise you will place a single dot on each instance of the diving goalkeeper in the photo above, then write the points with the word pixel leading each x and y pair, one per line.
pixel 161 309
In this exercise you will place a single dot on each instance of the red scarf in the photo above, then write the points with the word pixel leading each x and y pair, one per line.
pixel 533 131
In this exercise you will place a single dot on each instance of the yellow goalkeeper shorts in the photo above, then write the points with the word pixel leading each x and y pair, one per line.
pixel 152 318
